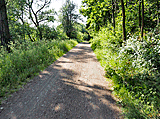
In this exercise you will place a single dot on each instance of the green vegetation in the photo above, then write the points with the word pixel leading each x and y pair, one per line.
pixel 28 43
pixel 69 18
pixel 27 59
pixel 126 40
pixel 134 70
pixel 125 37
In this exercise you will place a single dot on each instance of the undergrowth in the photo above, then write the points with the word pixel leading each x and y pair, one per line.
pixel 26 60
pixel 134 68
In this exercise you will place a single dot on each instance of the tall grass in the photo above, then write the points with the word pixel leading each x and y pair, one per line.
pixel 26 60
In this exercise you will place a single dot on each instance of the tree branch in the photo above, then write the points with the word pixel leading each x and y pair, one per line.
pixel 45 3
pixel 30 14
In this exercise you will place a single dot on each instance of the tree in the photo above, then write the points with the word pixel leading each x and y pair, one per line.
pixel 99 13
pixel 140 14
pixel 113 16
pixel 16 18
pixel 142 27
pixel 39 15
pixel 158 12
pixel 22 11
pixel 69 18
pixel 4 28
pixel 123 14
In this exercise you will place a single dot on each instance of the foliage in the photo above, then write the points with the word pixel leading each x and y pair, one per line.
pixel 79 29
pixel 22 14
pixel 82 33
pixel 40 14
pixel 134 70
pixel 29 19
pixel 132 64
pixel 61 35
pixel 28 55
pixel 106 39
pixel 98 13
pixel 68 18
pixel 48 32
pixel 27 59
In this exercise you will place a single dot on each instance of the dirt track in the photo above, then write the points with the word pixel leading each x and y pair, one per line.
pixel 73 87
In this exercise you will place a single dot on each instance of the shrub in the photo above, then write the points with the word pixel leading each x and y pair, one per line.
pixel 134 70
pixel 26 60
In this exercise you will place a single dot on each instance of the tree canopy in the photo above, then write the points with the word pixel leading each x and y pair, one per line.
pixel 69 18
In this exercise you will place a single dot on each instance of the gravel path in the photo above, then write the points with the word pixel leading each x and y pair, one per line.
pixel 73 87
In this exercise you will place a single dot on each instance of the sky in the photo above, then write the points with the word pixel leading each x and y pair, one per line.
pixel 57 4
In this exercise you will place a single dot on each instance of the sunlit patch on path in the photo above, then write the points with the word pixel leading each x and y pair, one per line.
pixel 72 87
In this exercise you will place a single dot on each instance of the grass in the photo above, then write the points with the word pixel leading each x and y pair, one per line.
pixel 27 60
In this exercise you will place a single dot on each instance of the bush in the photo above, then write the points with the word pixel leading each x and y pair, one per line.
pixel 106 39
pixel 134 70
pixel 26 60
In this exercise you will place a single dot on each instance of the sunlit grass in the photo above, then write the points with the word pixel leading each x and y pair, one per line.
pixel 26 60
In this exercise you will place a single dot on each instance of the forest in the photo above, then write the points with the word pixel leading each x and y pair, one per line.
pixel 126 39
pixel 124 34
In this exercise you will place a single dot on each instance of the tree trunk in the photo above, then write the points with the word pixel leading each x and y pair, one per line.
pixel 115 3
pixel 4 28
pixel 126 3
pixel 36 22
pixel 23 26
pixel 140 14
pixel 142 27
pixel 123 14
pixel 158 14
pixel 40 32
pixel 113 17
pixel 28 33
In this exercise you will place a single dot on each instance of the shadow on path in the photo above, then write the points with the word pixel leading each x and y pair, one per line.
pixel 65 90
